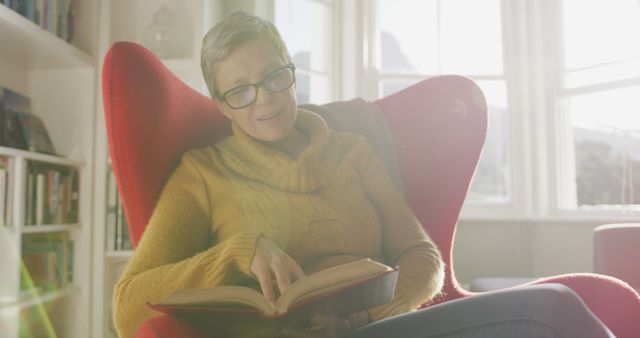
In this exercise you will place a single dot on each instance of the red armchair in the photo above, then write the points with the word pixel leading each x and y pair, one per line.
pixel 438 128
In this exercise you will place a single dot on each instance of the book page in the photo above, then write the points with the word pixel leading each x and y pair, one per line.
pixel 329 281
pixel 222 295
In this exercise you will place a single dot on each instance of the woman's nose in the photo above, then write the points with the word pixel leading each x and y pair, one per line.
pixel 263 96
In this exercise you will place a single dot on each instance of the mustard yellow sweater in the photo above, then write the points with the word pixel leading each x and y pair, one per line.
pixel 335 203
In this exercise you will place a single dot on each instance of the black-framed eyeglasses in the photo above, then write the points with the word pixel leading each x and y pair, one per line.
pixel 246 94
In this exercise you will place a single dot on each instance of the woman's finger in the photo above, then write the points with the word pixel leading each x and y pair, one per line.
pixel 283 278
pixel 264 278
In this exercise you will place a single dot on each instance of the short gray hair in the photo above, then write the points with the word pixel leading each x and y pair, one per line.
pixel 233 31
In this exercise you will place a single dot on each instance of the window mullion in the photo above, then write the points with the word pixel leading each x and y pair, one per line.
pixel 562 187
pixel 371 79
pixel 515 19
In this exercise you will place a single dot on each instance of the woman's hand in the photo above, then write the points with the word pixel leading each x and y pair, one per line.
pixel 329 326
pixel 272 266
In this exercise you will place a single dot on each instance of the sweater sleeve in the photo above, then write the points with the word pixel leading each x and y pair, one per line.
pixel 404 244
pixel 174 251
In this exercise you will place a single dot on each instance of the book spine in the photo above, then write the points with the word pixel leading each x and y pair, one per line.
pixel 112 201
pixel 2 117
pixel 28 218
pixel 119 226
pixel 39 12
pixel 9 194
pixel 3 196
pixel 30 8
pixel 43 14
pixel 40 182
pixel 70 259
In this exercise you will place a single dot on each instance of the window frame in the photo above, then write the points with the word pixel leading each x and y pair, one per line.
pixel 515 205
pixel 541 161
pixel 334 59
pixel 540 151
pixel 562 185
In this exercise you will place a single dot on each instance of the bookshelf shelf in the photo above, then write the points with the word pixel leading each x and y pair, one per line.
pixel 121 254
pixel 34 229
pixel 28 299
pixel 53 159
pixel 26 45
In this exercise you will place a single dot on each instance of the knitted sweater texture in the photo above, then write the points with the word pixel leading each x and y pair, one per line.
pixel 334 204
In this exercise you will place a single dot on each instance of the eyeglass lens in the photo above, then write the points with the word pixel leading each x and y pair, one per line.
pixel 243 96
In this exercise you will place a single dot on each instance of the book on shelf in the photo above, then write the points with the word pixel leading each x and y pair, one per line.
pixel 11 105
pixel 6 190
pixel 340 290
pixel 52 194
pixel 112 203
pixel 117 237
pixel 19 128
pixel 55 16
pixel 47 261
pixel 70 259
pixel 34 133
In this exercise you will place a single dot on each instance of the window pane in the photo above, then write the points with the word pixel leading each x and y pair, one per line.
pixel 600 31
pixel 407 39
pixel 303 88
pixel 320 89
pixel 606 132
pixel 305 26
pixel 490 183
pixel 604 73
pixel 312 88
pixel 471 37
pixel 436 36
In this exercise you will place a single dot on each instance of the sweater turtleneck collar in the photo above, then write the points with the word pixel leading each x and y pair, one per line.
pixel 255 160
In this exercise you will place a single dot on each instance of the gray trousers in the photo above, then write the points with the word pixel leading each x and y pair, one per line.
pixel 540 311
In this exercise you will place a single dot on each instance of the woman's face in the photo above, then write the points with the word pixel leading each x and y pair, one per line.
pixel 272 116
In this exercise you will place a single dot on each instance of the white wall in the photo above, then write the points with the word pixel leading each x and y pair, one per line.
pixel 515 248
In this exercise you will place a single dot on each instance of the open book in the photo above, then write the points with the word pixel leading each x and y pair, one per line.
pixel 339 290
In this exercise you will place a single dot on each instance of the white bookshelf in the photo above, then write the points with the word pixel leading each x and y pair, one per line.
pixel 60 79
pixel 17 305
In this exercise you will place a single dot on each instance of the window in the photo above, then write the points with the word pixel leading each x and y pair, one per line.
pixel 307 28
pixel 448 37
pixel 599 98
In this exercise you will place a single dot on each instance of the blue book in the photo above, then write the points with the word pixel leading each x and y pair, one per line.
pixel 30 10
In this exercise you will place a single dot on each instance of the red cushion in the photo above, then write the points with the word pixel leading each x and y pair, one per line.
pixel 439 126
pixel 170 327
pixel 152 117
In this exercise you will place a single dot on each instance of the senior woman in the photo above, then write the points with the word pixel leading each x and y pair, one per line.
pixel 285 196
pixel 282 197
